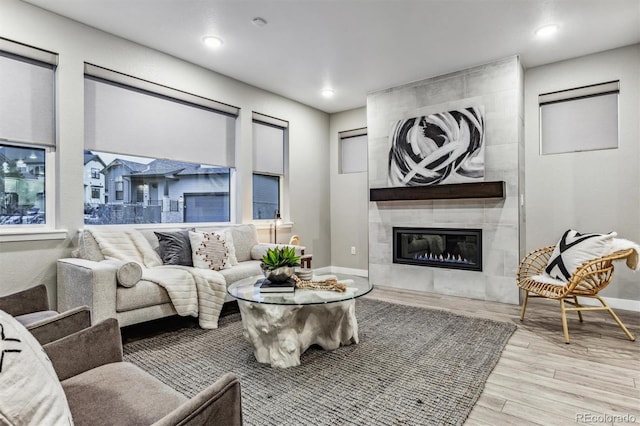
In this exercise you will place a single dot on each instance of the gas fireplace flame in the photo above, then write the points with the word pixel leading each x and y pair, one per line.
pixel 444 258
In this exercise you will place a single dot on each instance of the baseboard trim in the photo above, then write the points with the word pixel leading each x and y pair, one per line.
pixel 341 270
pixel 615 303
pixel 623 304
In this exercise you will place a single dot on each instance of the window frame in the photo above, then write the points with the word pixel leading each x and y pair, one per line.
pixel 579 95
pixel 46 230
pixel 283 179
pixel 145 87
pixel 49 188
pixel 346 135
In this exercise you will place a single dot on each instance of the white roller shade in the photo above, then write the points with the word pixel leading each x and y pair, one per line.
pixel 353 154
pixel 126 120
pixel 584 124
pixel 268 148
pixel 26 100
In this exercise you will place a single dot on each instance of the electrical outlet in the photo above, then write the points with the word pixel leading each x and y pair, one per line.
pixel 353 250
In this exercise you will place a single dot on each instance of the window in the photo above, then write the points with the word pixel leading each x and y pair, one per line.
pixel 119 184
pixel 150 190
pixel 95 174
pixel 95 193
pixel 353 151
pixel 27 133
pixel 187 144
pixel 22 185
pixel 266 196
pixel 582 119
pixel 269 165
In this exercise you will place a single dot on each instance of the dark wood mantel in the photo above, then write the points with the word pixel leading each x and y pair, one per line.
pixel 439 192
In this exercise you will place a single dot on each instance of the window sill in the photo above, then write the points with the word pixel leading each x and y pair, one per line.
pixel 39 234
pixel 268 224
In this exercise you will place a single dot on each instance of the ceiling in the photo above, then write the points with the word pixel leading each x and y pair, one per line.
pixel 358 46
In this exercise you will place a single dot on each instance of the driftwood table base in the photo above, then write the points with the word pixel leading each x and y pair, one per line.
pixel 279 334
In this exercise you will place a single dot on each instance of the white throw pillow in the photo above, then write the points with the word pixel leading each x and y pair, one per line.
pixel 30 392
pixel 574 249
pixel 227 236
pixel 209 251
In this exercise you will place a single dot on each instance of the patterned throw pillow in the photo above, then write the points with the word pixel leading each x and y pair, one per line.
pixel 30 392
pixel 175 248
pixel 209 251
pixel 574 249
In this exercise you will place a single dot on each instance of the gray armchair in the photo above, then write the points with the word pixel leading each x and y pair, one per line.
pixel 31 308
pixel 101 389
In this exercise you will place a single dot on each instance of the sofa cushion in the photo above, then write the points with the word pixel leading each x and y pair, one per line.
pixel 88 247
pixel 30 392
pixel 175 248
pixel 241 270
pixel 244 238
pixel 119 394
pixel 128 273
pixel 143 294
pixel 125 244
pixel 209 251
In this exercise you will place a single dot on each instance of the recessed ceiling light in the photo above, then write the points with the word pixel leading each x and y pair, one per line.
pixel 546 30
pixel 259 22
pixel 327 93
pixel 212 41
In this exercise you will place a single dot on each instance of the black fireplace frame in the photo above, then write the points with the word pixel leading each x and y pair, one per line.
pixel 447 231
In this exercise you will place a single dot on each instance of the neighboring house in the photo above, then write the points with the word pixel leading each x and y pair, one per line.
pixel 168 191
pixel 117 184
pixel 94 181
pixel 21 190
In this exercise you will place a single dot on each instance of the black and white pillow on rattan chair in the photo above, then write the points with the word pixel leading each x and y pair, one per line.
pixel 574 249
pixel 579 265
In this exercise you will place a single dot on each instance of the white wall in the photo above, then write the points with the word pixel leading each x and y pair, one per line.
pixel 349 201
pixel 26 263
pixel 596 191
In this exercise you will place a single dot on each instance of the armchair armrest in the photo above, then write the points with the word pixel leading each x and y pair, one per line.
pixel 49 329
pixel 534 263
pixel 220 403
pixel 86 349
pixel 33 299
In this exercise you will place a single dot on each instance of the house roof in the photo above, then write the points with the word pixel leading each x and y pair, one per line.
pixel 163 167
pixel 90 156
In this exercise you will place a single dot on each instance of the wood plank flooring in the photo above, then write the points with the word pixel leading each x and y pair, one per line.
pixel 539 379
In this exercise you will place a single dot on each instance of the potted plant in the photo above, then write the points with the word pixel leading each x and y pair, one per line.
pixel 278 263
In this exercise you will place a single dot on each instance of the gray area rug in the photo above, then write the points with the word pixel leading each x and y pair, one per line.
pixel 412 366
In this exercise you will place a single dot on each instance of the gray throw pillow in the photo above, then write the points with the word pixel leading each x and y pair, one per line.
pixel 175 248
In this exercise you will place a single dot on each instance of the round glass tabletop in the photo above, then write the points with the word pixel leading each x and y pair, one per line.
pixel 248 290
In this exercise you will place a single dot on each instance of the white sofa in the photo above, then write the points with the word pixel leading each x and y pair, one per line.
pixel 89 279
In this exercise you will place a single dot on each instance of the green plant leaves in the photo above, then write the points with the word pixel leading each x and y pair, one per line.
pixel 277 257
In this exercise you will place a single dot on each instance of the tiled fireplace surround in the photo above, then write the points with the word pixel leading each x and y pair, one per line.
pixel 498 87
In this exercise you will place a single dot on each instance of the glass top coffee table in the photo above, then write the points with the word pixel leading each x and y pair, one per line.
pixel 281 326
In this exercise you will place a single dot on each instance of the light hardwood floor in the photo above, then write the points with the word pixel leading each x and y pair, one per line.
pixel 539 379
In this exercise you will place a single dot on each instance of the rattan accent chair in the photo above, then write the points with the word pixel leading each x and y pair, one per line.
pixel 587 281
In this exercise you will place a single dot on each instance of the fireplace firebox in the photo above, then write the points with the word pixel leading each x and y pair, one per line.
pixel 458 248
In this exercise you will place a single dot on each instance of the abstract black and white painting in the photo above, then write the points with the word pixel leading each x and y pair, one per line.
pixel 447 147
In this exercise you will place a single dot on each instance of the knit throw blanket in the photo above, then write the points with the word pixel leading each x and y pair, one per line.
pixel 193 292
